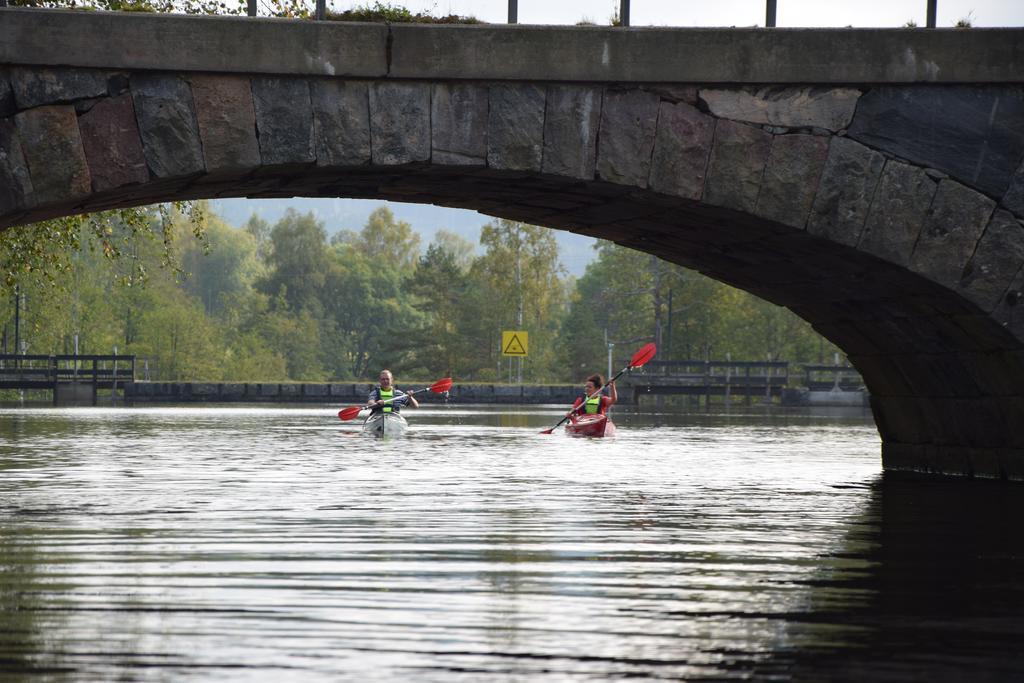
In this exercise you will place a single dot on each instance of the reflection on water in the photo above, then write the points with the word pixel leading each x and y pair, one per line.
pixel 247 544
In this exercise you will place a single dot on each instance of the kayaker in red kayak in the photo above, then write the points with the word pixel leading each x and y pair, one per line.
pixel 589 414
pixel 599 404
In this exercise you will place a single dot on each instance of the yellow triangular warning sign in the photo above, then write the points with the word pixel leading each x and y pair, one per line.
pixel 514 343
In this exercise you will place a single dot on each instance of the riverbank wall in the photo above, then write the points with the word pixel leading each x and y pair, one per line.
pixel 274 392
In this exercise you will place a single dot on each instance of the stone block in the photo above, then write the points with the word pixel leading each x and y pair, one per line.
pixel 897 213
pixel 995 263
pixel 290 390
pixel 903 457
pixel 570 130
pixel 205 390
pixel 682 145
pixel 799 107
pixel 400 123
pixel 52 146
pixel 314 390
pixel 458 120
pixel 7 105
pixel 269 390
pixel 1011 463
pixel 110 137
pixel 973 133
pixel 347 391
pixel 901 419
pixel 845 191
pixel 15 181
pixel 1012 200
pixel 736 168
pixel 515 127
pixel 232 391
pixel 626 141
pixel 35 86
pixel 284 120
pixel 951 231
pixel 791 178
pixel 227 122
pixel 167 124
pixel 341 122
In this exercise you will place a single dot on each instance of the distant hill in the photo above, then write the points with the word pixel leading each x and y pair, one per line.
pixel 575 251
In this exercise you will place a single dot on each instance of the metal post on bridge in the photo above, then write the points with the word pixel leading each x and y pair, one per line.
pixel 250 8
pixel 321 9
pixel 769 14
pixel 931 15
pixel 624 13
pixel 513 11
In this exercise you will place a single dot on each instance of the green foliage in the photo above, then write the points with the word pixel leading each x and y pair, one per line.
pixel 632 297
pixel 281 303
pixel 396 14
pixel 275 8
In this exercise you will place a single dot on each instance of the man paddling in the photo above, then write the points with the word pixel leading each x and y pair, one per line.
pixel 384 398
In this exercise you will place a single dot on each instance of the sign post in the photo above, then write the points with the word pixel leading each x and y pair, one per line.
pixel 515 344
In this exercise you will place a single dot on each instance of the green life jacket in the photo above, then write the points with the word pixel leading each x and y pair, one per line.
pixel 592 405
pixel 384 396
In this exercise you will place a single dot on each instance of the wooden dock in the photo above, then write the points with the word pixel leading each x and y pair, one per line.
pixel 71 379
pixel 729 379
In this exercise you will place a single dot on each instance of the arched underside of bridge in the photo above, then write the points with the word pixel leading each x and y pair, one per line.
pixel 915 272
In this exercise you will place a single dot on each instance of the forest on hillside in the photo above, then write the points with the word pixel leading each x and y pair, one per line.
pixel 284 302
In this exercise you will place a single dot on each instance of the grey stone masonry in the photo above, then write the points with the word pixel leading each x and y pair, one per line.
pixel 341 122
pixel 897 214
pixel 7 106
pixel 791 177
pixel 682 145
pixel 805 107
pixel 845 192
pixel 15 182
pixel 570 130
pixel 736 169
pixel 284 120
pixel 52 145
pixel 515 127
pixel 167 123
pixel 626 141
pixel 227 122
pixel 35 87
pixel 400 122
pixel 995 263
pixel 1014 197
pixel 458 121
pixel 953 225
pixel 973 133
pixel 110 136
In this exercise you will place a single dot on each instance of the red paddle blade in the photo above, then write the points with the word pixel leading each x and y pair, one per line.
pixel 645 353
pixel 349 413
pixel 441 385
pixel 548 431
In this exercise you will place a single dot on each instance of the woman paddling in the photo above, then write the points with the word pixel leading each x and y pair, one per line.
pixel 592 402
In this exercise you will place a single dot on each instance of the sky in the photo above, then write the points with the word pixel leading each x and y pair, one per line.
pixel 789 13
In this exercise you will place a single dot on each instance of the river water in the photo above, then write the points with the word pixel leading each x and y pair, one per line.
pixel 276 543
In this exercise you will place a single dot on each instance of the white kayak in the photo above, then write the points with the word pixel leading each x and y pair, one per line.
pixel 385 425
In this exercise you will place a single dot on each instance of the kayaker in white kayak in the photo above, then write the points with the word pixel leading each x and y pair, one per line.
pixel 592 402
pixel 386 399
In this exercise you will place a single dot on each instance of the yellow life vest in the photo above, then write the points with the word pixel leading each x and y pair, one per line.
pixel 592 405
pixel 385 395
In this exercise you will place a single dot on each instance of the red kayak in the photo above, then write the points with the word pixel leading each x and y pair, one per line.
pixel 590 425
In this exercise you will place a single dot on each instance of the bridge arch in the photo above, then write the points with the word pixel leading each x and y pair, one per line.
pixel 842 202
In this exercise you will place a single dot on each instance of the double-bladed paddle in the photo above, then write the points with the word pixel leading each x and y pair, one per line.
pixel 639 358
pixel 438 387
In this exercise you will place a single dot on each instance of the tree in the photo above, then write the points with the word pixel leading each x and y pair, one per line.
pixel 297 260
pixel 383 239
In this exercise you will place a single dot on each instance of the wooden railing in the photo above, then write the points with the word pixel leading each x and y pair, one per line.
pixel 45 372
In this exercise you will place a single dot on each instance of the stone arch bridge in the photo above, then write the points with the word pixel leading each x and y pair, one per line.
pixel 869 180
